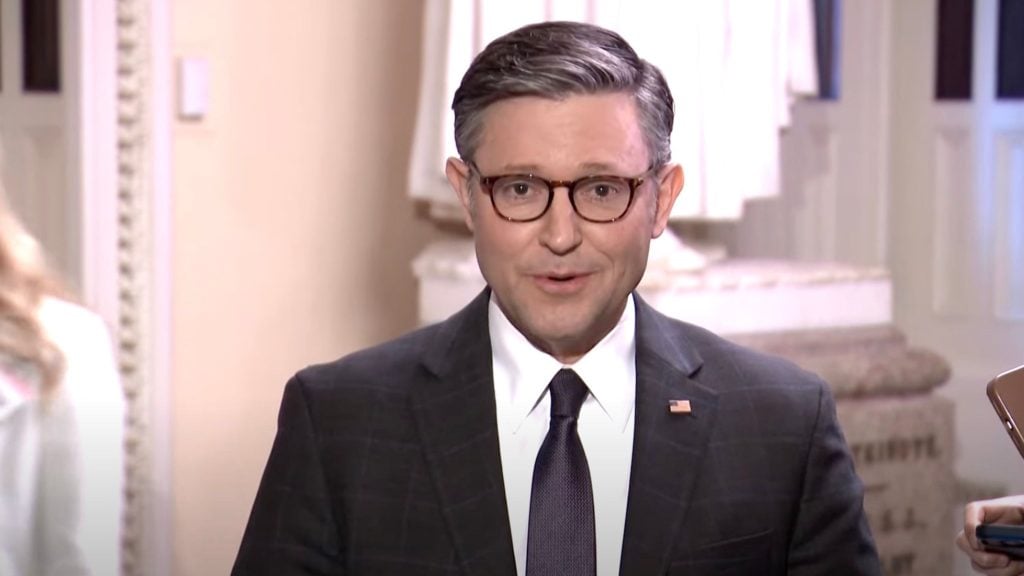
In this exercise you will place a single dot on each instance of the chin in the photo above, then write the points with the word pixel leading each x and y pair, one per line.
pixel 563 333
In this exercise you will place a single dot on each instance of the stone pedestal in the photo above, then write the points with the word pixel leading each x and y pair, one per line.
pixel 903 450
pixel 900 435
pixel 835 321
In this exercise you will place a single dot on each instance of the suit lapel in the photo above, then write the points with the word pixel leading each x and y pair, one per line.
pixel 455 416
pixel 667 448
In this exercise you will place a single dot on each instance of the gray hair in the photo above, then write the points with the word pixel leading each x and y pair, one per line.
pixel 559 59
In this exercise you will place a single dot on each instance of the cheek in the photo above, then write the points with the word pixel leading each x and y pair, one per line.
pixel 630 250
pixel 497 246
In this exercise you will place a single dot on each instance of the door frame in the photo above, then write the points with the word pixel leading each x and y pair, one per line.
pixel 121 142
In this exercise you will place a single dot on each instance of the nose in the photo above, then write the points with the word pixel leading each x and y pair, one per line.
pixel 561 230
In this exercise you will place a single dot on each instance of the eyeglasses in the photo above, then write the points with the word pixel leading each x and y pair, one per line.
pixel 526 197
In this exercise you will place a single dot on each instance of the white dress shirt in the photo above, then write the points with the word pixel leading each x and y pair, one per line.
pixel 521 376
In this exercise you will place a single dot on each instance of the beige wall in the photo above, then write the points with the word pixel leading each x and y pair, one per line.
pixel 292 233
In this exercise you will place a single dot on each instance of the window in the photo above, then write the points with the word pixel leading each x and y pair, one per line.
pixel 827 18
pixel 40 39
pixel 1010 50
pixel 954 50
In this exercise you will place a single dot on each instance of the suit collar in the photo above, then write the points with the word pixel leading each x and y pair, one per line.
pixel 663 340
pixel 667 448
pixel 455 416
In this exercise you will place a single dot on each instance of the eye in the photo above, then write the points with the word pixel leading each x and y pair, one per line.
pixel 519 189
pixel 601 190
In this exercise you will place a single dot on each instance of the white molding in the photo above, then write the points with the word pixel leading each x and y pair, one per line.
pixel 124 145
pixel 132 101
pixel 817 219
pixel 160 507
pixel 11 38
pixel 112 140
pixel 143 246
pixel 97 150
pixel 861 235
pixel 957 264
pixel 39 110
pixel 1008 297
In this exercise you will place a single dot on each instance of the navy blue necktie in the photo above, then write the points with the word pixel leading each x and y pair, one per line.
pixel 561 534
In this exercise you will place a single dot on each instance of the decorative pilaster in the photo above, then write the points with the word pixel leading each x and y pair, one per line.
pixel 133 250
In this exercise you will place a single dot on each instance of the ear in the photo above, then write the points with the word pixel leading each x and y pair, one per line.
pixel 670 184
pixel 458 178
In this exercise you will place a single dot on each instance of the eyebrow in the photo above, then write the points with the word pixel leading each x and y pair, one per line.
pixel 585 168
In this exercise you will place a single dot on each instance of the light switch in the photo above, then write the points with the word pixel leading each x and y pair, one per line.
pixel 193 88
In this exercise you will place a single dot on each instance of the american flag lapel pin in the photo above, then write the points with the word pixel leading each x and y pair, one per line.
pixel 679 406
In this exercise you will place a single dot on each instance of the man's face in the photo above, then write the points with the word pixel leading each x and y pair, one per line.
pixel 563 281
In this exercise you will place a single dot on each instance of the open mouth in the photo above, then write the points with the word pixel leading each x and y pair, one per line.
pixel 562 283
pixel 562 278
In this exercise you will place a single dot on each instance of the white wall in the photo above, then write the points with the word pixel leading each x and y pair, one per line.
pixel 292 231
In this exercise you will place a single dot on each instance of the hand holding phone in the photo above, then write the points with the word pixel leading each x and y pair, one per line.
pixel 1005 538
pixel 993 535
pixel 997 526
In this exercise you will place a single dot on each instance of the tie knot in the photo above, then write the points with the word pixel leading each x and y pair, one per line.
pixel 567 394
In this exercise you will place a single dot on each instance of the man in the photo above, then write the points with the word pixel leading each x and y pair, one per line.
pixel 657 448
pixel 1006 510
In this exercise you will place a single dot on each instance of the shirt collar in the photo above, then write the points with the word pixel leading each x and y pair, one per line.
pixel 609 368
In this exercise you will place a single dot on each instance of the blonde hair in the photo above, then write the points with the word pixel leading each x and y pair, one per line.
pixel 24 281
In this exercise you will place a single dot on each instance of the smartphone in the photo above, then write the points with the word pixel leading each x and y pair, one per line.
pixel 1005 538
pixel 1006 392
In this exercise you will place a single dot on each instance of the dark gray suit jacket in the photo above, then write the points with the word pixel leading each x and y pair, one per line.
pixel 387 462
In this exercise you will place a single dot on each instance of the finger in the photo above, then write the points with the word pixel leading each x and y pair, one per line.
pixel 962 543
pixel 981 569
pixel 973 515
pixel 1016 568
pixel 1012 569
pixel 995 564
pixel 1009 513
pixel 989 560
pixel 1007 510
